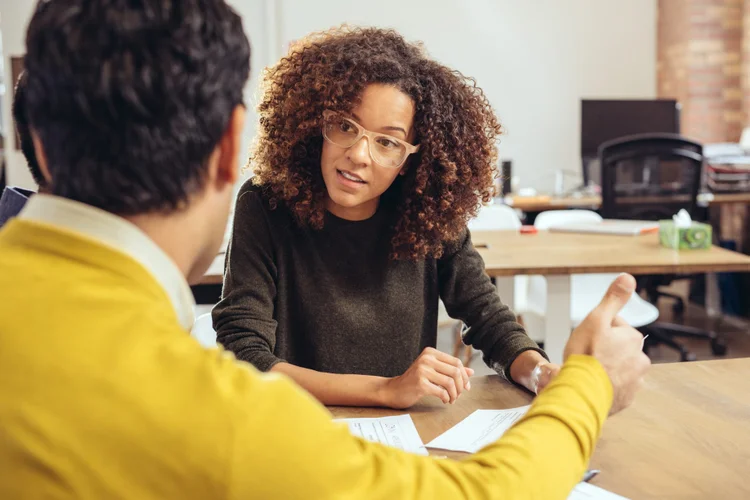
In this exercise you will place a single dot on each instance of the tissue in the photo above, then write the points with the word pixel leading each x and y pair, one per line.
pixel 682 219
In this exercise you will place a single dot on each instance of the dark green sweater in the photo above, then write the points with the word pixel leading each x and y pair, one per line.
pixel 332 301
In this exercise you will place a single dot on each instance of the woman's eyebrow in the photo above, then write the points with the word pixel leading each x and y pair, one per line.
pixel 396 129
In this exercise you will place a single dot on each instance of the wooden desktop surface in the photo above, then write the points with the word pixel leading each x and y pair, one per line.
pixel 686 436
pixel 508 253
pixel 545 202
pixel 541 203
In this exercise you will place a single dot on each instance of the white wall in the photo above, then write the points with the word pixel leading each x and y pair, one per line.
pixel 259 18
pixel 14 16
pixel 535 59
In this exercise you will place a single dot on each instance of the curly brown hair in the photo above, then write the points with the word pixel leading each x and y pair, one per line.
pixel 445 182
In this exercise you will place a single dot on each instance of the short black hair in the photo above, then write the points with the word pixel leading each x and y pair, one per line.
pixel 130 98
pixel 24 132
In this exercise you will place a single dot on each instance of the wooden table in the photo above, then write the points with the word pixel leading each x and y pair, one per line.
pixel 509 253
pixel 686 436
pixel 557 256
pixel 543 202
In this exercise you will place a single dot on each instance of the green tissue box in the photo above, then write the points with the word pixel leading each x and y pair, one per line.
pixel 697 236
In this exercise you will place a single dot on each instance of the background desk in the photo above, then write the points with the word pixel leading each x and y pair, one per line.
pixel 558 255
pixel 593 202
pixel 685 437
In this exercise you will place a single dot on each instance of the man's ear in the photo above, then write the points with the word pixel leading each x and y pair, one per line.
pixel 230 146
pixel 41 158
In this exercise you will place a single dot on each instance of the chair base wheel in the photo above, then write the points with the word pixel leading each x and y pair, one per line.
pixel 718 347
pixel 687 356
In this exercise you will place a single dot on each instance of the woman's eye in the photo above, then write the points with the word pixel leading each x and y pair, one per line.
pixel 387 143
pixel 346 127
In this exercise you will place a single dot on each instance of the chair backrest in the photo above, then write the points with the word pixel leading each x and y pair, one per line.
pixel 551 218
pixel 650 176
pixel 203 330
pixel 494 218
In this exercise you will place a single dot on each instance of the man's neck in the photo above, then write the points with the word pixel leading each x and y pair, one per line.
pixel 174 234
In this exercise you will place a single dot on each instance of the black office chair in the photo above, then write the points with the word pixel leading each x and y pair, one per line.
pixel 652 177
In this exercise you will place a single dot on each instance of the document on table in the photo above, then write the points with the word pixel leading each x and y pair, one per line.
pixel 586 491
pixel 398 431
pixel 479 429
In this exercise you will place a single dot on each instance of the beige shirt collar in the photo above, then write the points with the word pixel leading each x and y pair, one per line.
pixel 120 235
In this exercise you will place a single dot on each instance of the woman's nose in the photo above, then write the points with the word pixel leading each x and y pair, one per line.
pixel 359 152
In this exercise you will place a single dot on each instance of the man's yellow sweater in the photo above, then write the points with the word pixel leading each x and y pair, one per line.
pixel 104 395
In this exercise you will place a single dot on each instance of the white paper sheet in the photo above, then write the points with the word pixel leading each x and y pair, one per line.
pixel 586 491
pixel 398 431
pixel 478 430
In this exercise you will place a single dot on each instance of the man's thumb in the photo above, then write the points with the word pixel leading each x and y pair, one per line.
pixel 618 294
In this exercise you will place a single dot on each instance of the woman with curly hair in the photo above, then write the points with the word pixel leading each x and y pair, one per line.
pixel 371 159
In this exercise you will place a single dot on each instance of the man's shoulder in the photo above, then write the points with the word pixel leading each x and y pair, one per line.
pixel 12 201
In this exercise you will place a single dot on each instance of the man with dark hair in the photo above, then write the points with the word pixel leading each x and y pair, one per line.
pixel 14 198
pixel 136 115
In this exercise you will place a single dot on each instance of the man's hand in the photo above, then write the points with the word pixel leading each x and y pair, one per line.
pixel 616 345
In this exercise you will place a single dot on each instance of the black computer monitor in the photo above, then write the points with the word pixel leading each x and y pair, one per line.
pixel 604 120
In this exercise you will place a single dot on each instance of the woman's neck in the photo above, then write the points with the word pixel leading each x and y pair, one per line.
pixel 356 213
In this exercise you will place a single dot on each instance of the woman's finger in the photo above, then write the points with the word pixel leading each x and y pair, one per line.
pixel 446 382
pixel 449 371
pixel 453 361
pixel 430 389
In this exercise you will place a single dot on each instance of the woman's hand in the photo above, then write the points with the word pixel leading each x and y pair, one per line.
pixel 531 370
pixel 434 373
pixel 543 375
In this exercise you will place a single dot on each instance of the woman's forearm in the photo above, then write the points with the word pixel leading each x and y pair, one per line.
pixel 334 389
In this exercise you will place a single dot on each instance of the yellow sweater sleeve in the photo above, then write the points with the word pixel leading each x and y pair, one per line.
pixel 286 446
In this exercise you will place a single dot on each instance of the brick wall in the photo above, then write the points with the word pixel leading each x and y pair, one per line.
pixel 745 76
pixel 700 62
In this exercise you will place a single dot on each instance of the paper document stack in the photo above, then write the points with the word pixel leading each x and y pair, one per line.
pixel 479 429
pixel 610 226
pixel 398 431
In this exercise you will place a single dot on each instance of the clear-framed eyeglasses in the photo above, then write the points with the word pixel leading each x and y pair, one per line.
pixel 386 150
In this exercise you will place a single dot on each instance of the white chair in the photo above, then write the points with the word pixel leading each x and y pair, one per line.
pixel 498 217
pixel 203 331
pixel 493 217
pixel 587 290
